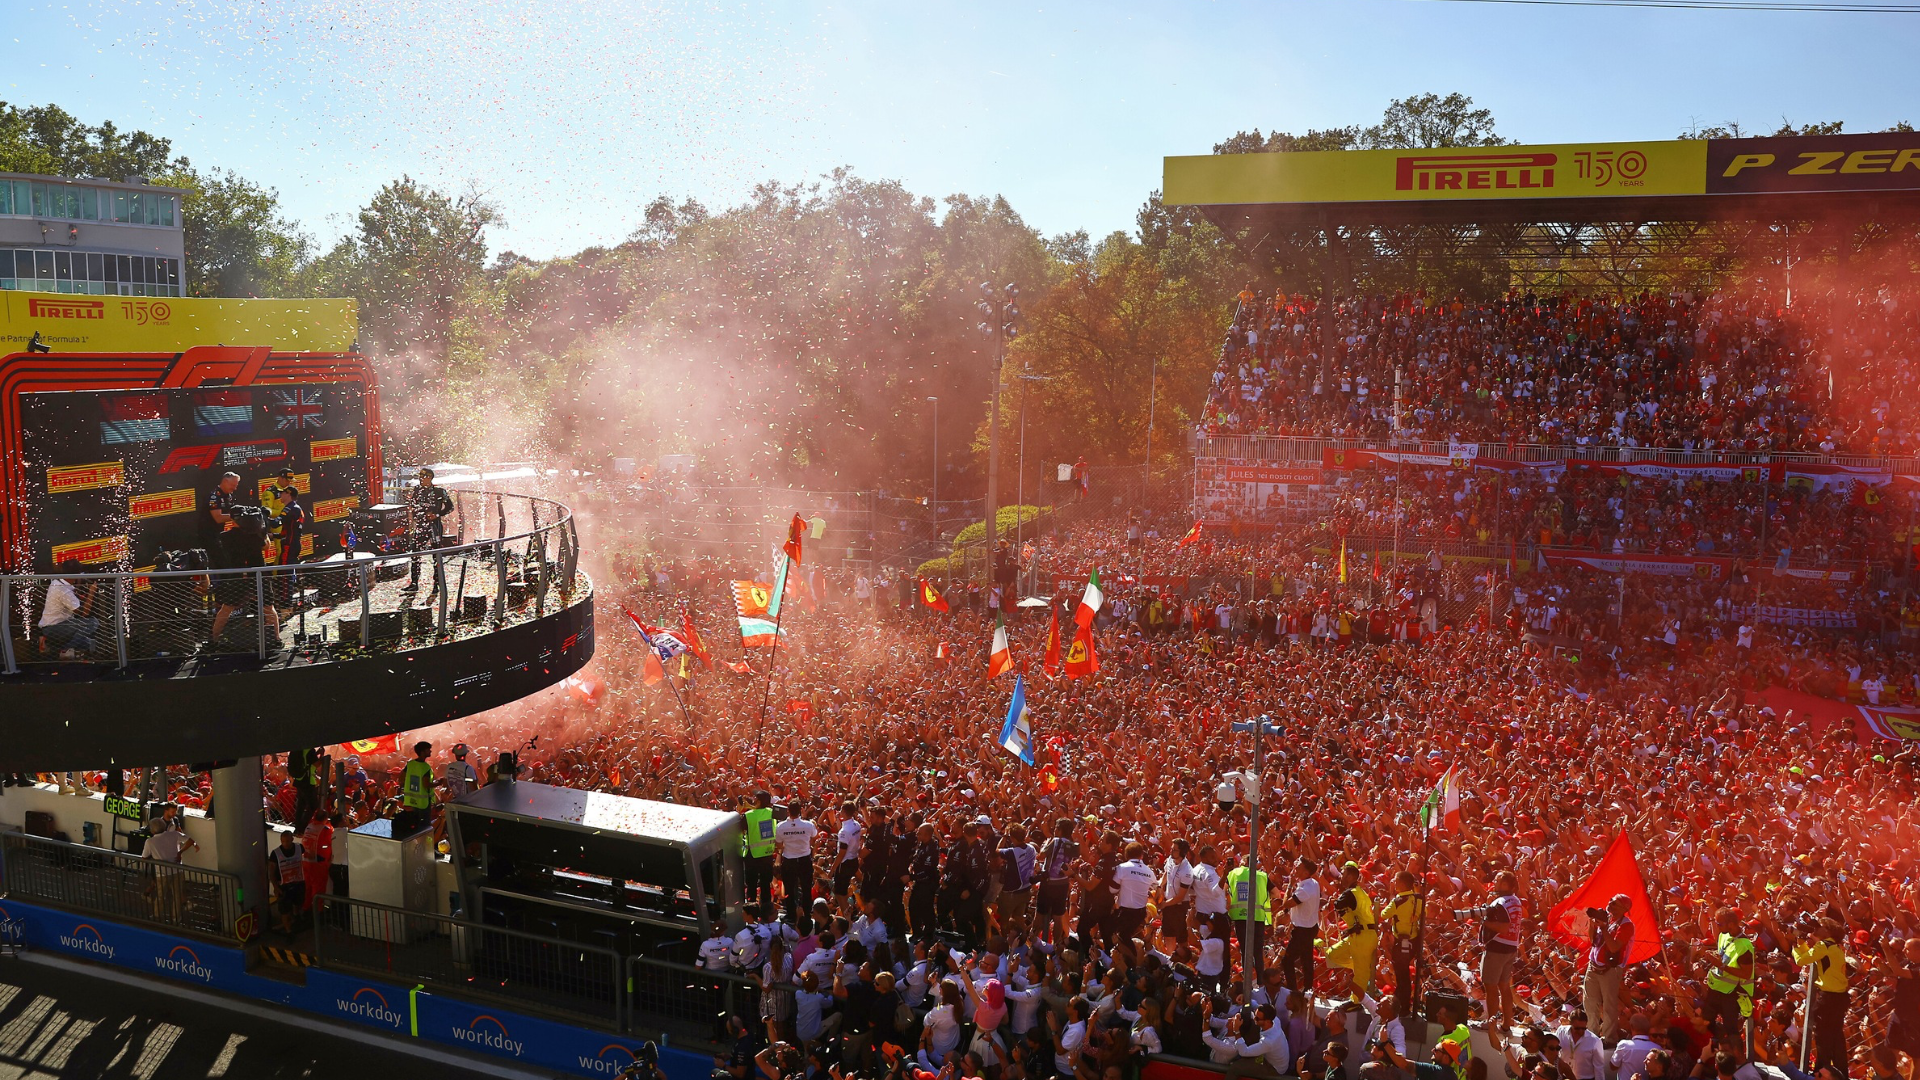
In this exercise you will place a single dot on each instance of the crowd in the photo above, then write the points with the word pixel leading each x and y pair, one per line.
pixel 942 907
pixel 1725 371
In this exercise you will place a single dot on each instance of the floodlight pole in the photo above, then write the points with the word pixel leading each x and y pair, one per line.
pixel 1259 725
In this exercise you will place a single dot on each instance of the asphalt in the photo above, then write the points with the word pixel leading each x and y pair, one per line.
pixel 66 1021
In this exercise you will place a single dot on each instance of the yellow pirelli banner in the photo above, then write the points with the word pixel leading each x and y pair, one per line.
pixel 153 504
pixel 79 323
pixel 319 450
pixel 1880 162
pixel 1556 171
pixel 105 549
pixel 66 478
pixel 335 509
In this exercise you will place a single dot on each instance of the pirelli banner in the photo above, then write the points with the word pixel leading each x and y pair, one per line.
pixel 1815 164
pixel 116 477
pixel 81 323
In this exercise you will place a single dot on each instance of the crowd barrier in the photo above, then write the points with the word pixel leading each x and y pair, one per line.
pixel 421 1012
pixel 1314 449
pixel 535 972
pixel 122 887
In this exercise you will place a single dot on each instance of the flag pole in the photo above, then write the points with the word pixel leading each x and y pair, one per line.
pixel 773 658
pixel 1414 997
pixel 683 704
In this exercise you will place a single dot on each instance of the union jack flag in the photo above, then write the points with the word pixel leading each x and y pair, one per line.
pixel 295 410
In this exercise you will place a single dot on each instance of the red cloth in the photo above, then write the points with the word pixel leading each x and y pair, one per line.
pixel 1617 873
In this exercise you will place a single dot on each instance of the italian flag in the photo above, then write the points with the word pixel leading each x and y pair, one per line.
pixel 1090 600
pixel 1442 808
pixel 1000 658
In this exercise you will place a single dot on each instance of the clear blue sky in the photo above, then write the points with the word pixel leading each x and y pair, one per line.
pixel 572 119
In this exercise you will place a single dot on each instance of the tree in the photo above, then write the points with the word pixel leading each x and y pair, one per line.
pixel 1245 142
pixel 1429 120
pixel 410 262
pixel 47 140
pixel 237 242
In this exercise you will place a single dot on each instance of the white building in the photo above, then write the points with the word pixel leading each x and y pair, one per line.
pixel 98 237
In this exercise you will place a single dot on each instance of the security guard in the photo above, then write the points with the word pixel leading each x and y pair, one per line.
pixel 1452 1054
pixel 1828 959
pixel 1356 948
pixel 1730 978
pixel 1402 916
pixel 416 793
pixel 757 844
pixel 1237 898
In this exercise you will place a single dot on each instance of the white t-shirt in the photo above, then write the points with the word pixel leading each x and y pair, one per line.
pixel 1136 880
pixel 1307 909
pixel 62 603
pixel 795 837
pixel 850 836
pixel 1212 958
pixel 1179 879
pixel 1209 896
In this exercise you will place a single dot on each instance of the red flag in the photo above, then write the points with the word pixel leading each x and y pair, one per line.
pixel 1051 665
pixel 692 637
pixel 795 529
pixel 1617 874
pixel 655 672
pixel 1081 659
pixel 385 744
pixel 931 597
pixel 1192 535
pixel 740 666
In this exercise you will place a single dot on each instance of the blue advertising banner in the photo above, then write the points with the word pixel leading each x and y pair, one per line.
pixel 497 1032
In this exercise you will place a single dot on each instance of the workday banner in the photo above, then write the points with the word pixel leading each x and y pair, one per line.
pixel 86 938
pixel 542 1043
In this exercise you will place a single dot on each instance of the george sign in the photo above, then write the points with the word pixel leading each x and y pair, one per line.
pixel 174 323
pixel 122 807
pixel 160 504
pixel 333 449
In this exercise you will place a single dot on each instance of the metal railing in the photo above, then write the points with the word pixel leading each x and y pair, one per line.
pixel 504 559
pixel 687 1004
pixel 465 959
pixel 121 887
pixel 1251 448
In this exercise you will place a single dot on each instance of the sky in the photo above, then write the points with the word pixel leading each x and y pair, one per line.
pixel 572 116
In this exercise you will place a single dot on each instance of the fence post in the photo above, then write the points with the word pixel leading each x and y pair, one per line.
pixel 540 593
pixel 440 586
pixel 6 624
pixel 120 619
pixel 500 582
pixel 260 610
pixel 366 602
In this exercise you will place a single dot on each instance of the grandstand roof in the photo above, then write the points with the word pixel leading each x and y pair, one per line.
pixel 1858 177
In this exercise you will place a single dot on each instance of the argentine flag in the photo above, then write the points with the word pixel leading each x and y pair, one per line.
pixel 1016 735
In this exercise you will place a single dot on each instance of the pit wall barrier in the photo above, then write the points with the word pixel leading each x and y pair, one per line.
pixel 545 1044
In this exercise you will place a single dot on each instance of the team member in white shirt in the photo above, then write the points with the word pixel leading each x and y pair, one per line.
pixel 1176 899
pixel 794 838
pixel 1211 961
pixel 1135 880
pixel 1210 893
pixel 850 844
pixel 1296 965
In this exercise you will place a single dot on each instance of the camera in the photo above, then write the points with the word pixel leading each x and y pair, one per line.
pixel 1598 915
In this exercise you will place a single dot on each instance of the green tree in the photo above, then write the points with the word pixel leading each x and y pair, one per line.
pixel 237 243
pixel 48 140
pixel 1429 120
pixel 409 264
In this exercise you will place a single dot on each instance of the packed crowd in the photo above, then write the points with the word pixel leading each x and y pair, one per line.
pixel 941 907
pixel 1724 371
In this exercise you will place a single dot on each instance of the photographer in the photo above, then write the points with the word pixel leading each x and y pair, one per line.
pixel 64 619
pixel 645 1064
pixel 1613 934
pixel 242 546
